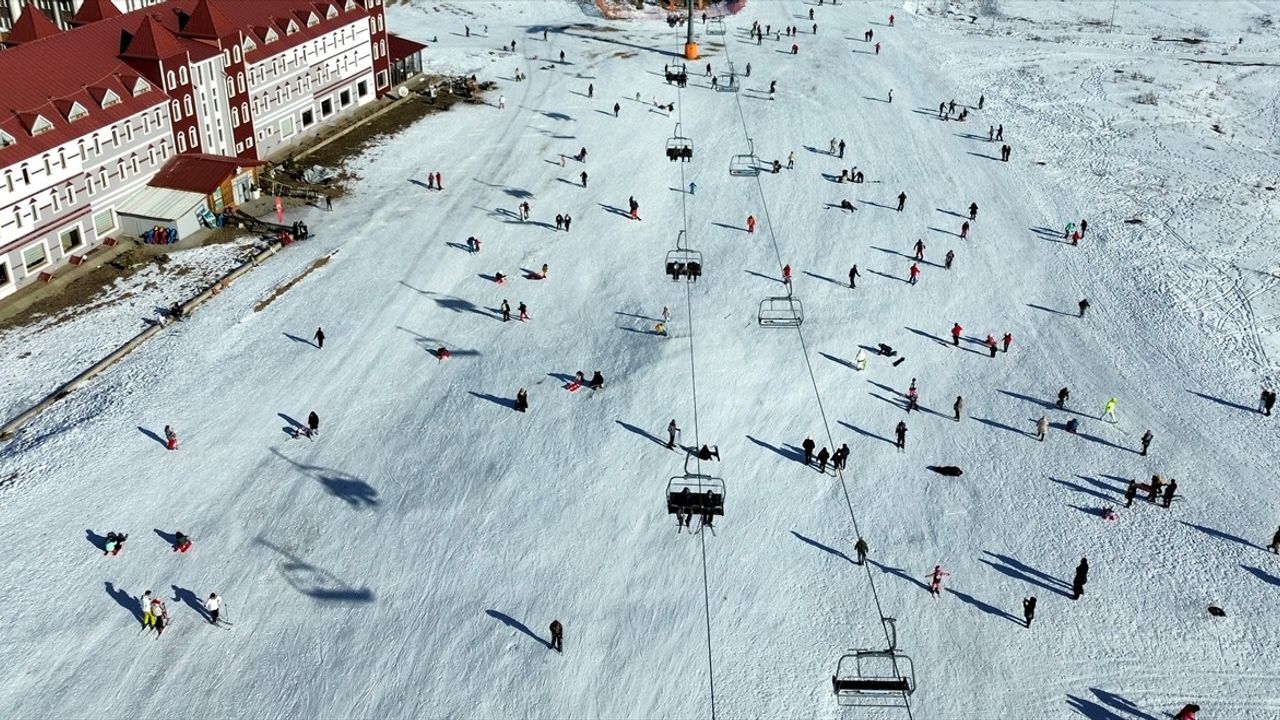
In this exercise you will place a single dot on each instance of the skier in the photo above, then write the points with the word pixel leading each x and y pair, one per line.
pixel 1000 132
pixel 890 96
pixel 853 276
pixel 506 311
pixel 748 69
pixel 973 208
pixel 313 424
pixel 591 90
pixel 913 273
pixel 213 606
pixel 114 543
pixel 890 21
pixel 955 334
pixel 1188 712
pixel 522 400
pixel 959 407
pixel 773 88
pixel 502 102
pixel 860 360
pixel 786 275
pixel 795 49
pixel 635 208
pixel 751 223
pixel 524 312
pixel 1130 493
pixel 991 344
pixel 319 337
pixel 666 314
pixel 991 133
pixel 823 456
pixel 671 434
pixel 1029 609
pixel 1147 437
pixel 1063 394
pixel 862 549
pixel 902 200
pixel 841 148
pixel 981 100
pixel 181 542
pixel 901 433
pixel 557 636
pixel 170 438
pixel 1042 428
pixel 616 108
pixel 1084 305
pixel 1170 491
pixel 561 53
pixel 148 620
pixel 935 580
pixel 913 397
pixel 1006 341
pixel 1109 410
pixel 877 48
pixel 159 615
pixel 964 230
pixel 919 247
pixel 1082 577
pixel 584 178
pixel 808 446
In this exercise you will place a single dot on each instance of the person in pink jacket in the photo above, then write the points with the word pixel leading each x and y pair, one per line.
pixel 935 580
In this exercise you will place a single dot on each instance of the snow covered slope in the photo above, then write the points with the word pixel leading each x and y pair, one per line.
pixel 407 562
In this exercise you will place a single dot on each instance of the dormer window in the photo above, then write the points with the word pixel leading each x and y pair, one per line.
pixel 6 139
pixel 331 13
pixel 110 98
pixel 140 86
pixel 40 125
pixel 312 20
pixel 351 5
pixel 271 36
pixel 76 112
pixel 291 28
pixel 249 45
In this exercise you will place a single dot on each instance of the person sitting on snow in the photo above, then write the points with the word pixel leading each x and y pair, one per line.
pixel 181 542
pixel 706 453
pixel 846 205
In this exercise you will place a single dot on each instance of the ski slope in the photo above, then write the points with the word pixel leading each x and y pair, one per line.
pixel 407 562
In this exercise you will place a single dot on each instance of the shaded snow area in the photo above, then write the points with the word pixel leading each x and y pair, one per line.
pixel 408 561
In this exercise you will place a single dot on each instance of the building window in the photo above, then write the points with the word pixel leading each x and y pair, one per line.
pixel 120 169
pixel 362 88
pixel 55 201
pixel 235 53
pixel 344 98
pixel 170 80
pixel 286 127
pixel 26 175
pixel 156 117
pixel 70 193
pixel 244 111
pixel 4 274
pixel 382 78
pixel 102 178
pixel 80 149
pixel 17 217
pixel 8 181
pixel 182 74
pixel 88 184
pixel 177 110
pixel 240 82
pixel 115 136
pixel 235 116
pixel 128 132
pixel 104 222
pixel 191 138
pixel 35 257
pixel 308 117
pixel 133 164
pixel 182 143
pixel 70 239
pixel 48 169
pixel 186 104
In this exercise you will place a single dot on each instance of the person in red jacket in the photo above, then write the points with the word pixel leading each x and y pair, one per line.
pixel 914 273
pixel 1188 712
pixel 955 334
pixel 991 344
pixel 1007 340
pixel 751 223
pixel 171 438
pixel 786 274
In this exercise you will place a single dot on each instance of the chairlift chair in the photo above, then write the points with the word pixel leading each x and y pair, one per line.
pixel 745 164
pixel 716 27
pixel 679 147
pixel 695 493
pixel 873 678
pixel 675 73
pixel 727 82
pixel 683 261
pixel 781 312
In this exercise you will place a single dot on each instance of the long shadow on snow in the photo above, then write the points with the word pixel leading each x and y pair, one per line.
pixel 511 622
pixel 1219 534
pixel 790 452
pixel 316 582
pixel 188 598
pixel 346 487
pixel 900 573
pixel 1051 310
pixel 1083 489
pixel 1095 711
pixel 1227 403
pixel 499 401
pixel 891 277
pixel 169 538
pixel 833 281
pixel 864 433
pixel 837 360
pixel 98 541
pixel 153 436
pixel 124 600
pixel 1021 571
pixel 1262 575
pixel 641 432
pixel 297 339
pixel 985 607
pixel 1002 426
pixel 822 547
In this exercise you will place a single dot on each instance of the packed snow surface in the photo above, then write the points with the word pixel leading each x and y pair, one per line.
pixel 407 561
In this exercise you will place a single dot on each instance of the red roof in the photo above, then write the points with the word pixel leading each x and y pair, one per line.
pixel 31 25
pixel 400 48
pixel 152 41
pixel 197 172
pixel 206 22
pixel 93 11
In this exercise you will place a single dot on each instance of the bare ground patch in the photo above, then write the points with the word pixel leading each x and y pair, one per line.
pixel 315 265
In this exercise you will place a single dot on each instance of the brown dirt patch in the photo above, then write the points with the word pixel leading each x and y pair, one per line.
pixel 315 265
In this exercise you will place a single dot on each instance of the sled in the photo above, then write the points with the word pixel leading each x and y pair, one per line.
pixel 573 386
pixel 899 361
pixel 875 678
pixel 781 312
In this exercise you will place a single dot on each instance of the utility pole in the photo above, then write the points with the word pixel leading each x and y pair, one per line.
pixel 690 47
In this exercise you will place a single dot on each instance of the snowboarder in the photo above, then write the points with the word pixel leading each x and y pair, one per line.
pixel 181 542
pixel 959 406
pixel 213 606
pixel 1006 341
pixel 313 424
pixel 524 312
pixel 522 400
pixel 671 434
pixel 853 276
pixel 900 432
pixel 991 344
pixel 955 334
pixel 1084 305
pixel 1063 394
pixel 913 274
pixel 808 446
pixel 935 580
pixel 1109 410
pixel 1130 493
pixel 1170 492
pixel 1146 441
pixel 1042 428
pixel 823 456
pixel 973 211
pixel 919 248
pixel 751 223
pixel 1029 609
pixel 862 549
pixel 170 438
pixel 506 311
pixel 1082 577
pixel 114 543
pixel 902 200
pixel 597 381
pixel 557 636
pixel 860 360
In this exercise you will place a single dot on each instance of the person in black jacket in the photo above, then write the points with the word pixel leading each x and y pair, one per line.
pixel 1029 609
pixel 1082 577
pixel 557 636
pixel 808 446
pixel 319 337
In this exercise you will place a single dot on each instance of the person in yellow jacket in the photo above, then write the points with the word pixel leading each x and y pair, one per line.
pixel 660 329
pixel 1109 410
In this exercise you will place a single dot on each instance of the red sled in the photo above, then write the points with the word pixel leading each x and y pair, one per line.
pixel 573 386
pixel 183 547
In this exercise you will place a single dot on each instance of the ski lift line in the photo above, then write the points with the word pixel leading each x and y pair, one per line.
pixel 906 703
pixel 697 439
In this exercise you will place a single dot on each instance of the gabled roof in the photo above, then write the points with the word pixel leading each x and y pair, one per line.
pixel 151 41
pixel 31 25
pixel 93 11
pixel 199 172
pixel 207 22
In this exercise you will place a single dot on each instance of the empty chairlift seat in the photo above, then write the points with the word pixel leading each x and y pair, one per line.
pixel 716 27
pixel 727 82
pixel 873 678
pixel 745 164
pixel 781 312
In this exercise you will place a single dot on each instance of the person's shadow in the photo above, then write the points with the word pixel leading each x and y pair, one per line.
pixel 124 600
pixel 98 541
pixel 511 622
pixel 153 436
pixel 189 599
